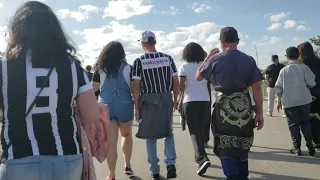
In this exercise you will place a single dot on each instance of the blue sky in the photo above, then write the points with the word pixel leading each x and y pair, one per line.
pixel 272 25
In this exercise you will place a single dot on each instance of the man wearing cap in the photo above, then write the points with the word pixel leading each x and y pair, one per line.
pixel 272 73
pixel 293 93
pixel 233 72
pixel 154 78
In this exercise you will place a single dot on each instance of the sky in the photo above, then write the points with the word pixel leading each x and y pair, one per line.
pixel 265 27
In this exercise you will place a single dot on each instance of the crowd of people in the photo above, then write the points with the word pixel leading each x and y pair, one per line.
pixel 42 78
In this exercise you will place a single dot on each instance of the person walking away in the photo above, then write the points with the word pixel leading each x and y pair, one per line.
pixel 113 78
pixel 233 72
pixel 196 102
pixel 272 73
pixel 154 76
pixel 89 73
pixel 39 129
pixel 308 57
pixel 292 91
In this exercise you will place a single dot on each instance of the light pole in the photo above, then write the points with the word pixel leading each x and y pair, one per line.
pixel 257 56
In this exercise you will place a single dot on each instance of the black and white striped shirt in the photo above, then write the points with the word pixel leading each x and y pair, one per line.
pixel 50 127
pixel 155 71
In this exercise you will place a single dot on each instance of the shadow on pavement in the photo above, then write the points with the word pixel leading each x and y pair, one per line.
pixel 265 176
pixel 285 156
pixel 135 178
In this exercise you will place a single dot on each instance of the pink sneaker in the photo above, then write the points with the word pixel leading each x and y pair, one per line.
pixel 128 171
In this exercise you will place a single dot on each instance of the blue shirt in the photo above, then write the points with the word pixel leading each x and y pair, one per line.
pixel 231 69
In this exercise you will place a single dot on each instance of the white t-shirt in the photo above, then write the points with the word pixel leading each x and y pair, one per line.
pixel 194 90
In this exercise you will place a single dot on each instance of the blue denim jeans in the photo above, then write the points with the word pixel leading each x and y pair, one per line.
pixel 169 152
pixel 42 168
pixel 235 170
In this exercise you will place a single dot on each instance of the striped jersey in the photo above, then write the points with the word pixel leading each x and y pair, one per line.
pixel 155 71
pixel 50 128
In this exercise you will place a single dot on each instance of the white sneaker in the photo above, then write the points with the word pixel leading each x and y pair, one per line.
pixel 269 114
pixel 284 116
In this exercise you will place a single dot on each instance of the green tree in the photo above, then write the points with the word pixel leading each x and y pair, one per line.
pixel 316 41
pixel 284 62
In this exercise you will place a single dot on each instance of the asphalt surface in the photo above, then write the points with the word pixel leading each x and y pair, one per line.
pixel 269 157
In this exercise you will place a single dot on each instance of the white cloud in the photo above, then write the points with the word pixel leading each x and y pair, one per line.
pixel 266 40
pixel 1 5
pixel 302 28
pixel 290 24
pixel 124 9
pixel 274 26
pixel 206 34
pixel 172 11
pixel 82 14
pixel 277 17
pixel 200 7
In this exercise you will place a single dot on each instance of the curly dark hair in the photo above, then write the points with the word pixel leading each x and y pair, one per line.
pixel 110 59
pixel 306 52
pixel 193 52
pixel 35 27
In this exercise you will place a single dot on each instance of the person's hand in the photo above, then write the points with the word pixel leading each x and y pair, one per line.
pixel 213 52
pixel 259 121
pixel 279 106
pixel 137 114
pixel 175 105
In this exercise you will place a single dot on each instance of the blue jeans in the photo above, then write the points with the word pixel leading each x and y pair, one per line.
pixel 42 168
pixel 169 152
pixel 235 170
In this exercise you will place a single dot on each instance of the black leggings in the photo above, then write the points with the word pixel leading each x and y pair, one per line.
pixel 196 114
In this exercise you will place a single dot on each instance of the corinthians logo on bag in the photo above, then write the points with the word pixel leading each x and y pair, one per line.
pixel 236 109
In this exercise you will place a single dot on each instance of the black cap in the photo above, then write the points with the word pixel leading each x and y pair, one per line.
pixel 229 35
pixel 292 52
pixel 274 57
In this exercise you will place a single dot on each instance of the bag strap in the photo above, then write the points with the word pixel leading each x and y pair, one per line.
pixel 37 97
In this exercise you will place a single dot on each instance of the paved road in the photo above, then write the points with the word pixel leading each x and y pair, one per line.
pixel 269 158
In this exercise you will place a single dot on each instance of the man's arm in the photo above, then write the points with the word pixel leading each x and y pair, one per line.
pixel 136 86
pixel 136 93
pixel 279 87
pixel 176 88
pixel 205 69
pixel 257 96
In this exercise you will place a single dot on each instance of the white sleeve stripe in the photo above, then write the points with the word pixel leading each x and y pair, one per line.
pixel 136 77
pixel 84 88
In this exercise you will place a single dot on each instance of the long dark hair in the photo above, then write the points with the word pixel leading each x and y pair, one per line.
pixel 193 52
pixel 35 27
pixel 306 52
pixel 111 58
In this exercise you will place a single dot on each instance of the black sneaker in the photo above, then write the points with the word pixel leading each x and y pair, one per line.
pixel 172 173
pixel 295 151
pixel 203 166
pixel 155 176
pixel 316 146
pixel 311 150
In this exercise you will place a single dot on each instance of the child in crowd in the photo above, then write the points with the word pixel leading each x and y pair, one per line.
pixel 293 93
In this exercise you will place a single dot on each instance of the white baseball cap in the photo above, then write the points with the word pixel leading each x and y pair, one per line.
pixel 147 36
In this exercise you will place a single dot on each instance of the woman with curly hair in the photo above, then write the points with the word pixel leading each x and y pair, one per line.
pixel 308 57
pixel 40 80
pixel 112 77
pixel 196 102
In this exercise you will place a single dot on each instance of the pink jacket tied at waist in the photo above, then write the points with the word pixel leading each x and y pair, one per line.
pixel 94 140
